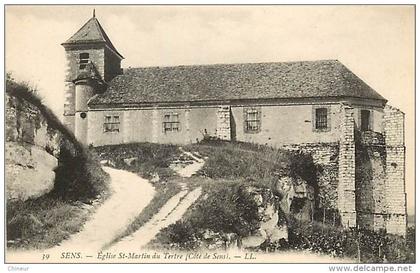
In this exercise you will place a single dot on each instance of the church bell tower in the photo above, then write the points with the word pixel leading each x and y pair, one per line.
pixel 91 62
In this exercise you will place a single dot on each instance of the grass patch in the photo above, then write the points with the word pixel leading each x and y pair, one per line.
pixel 373 246
pixel 223 208
pixel 149 159
pixel 43 223
pixel 253 163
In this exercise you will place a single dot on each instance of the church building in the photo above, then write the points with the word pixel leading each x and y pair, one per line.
pixel 319 107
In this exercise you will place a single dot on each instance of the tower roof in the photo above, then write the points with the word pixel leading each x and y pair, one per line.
pixel 91 32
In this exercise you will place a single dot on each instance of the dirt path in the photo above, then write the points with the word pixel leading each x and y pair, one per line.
pixel 190 169
pixel 171 212
pixel 129 195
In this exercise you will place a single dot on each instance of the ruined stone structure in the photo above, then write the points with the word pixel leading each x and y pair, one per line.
pixel 318 107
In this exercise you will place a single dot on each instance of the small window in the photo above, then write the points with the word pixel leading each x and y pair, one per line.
pixel 365 120
pixel 252 120
pixel 171 122
pixel 112 123
pixel 321 118
pixel 83 60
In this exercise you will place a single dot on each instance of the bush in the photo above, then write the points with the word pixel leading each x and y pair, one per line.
pixel 225 208
pixel 78 176
pixel 373 246
pixel 181 235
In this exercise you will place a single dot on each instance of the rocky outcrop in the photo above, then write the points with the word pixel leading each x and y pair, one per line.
pixel 297 197
pixel 29 171
pixel 32 150
pixel 218 240
pixel 272 227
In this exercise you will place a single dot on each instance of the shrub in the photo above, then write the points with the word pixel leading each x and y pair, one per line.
pixel 180 235
pixel 225 208
pixel 78 176
pixel 367 245
pixel 228 209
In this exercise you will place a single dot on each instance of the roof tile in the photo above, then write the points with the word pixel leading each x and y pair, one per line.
pixel 308 79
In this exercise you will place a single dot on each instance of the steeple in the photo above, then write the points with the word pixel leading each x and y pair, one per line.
pixel 91 62
pixel 91 33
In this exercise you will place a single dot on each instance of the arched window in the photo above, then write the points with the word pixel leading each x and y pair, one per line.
pixel 83 60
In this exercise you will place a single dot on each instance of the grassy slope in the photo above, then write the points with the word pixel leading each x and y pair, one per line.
pixel 251 164
pixel 151 158
pixel 229 166
pixel 155 159
pixel 43 222
pixel 224 205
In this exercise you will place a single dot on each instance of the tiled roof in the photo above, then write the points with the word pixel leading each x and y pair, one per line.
pixel 91 32
pixel 309 79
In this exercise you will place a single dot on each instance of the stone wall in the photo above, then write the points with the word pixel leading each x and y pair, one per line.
pixel 346 170
pixel 370 180
pixel 221 121
pixel 361 174
pixel 380 176
pixel 325 156
pixel 223 130
pixel 396 204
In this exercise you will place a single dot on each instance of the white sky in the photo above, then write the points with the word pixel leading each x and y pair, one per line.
pixel 375 42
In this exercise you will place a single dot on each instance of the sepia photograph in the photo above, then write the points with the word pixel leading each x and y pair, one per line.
pixel 262 134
